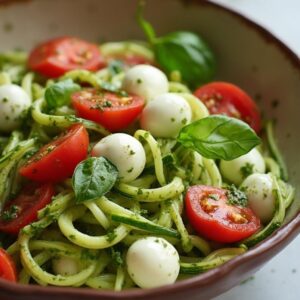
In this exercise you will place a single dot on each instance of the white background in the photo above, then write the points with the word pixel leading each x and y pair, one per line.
pixel 280 278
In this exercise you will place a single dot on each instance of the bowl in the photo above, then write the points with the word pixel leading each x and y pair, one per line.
pixel 247 55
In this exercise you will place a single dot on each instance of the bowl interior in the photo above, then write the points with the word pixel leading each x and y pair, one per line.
pixel 246 56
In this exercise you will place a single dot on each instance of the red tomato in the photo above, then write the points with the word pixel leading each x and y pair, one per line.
pixel 228 99
pixel 57 160
pixel 7 267
pixel 211 216
pixel 23 210
pixel 55 57
pixel 114 112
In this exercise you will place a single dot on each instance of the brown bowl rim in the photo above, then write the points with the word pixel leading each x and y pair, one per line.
pixel 280 235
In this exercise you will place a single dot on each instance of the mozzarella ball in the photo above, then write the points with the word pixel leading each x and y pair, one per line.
pixel 259 191
pixel 13 103
pixel 125 152
pixel 236 169
pixel 65 266
pixel 145 81
pixel 152 262
pixel 165 115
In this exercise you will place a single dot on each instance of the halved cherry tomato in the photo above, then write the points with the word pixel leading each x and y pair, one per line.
pixel 114 112
pixel 212 217
pixel 57 160
pixel 226 98
pixel 7 267
pixel 23 210
pixel 55 57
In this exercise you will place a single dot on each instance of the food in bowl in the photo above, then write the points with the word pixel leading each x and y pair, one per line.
pixel 115 175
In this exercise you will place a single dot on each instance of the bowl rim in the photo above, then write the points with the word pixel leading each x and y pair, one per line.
pixel 285 232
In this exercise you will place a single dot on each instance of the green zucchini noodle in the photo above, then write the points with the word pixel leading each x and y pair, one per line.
pixel 94 236
pixel 115 49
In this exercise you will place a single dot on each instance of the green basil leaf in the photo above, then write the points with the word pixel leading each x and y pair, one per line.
pixel 146 26
pixel 219 137
pixel 59 93
pixel 187 53
pixel 181 51
pixel 93 178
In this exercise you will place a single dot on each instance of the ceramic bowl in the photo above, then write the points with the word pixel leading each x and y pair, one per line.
pixel 247 55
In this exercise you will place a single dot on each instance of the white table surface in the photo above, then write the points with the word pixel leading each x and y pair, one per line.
pixel 280 278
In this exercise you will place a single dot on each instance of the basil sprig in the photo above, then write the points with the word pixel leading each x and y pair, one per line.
pixel 59 93
pixel 219 137
pixel 93 178
pixel 181 51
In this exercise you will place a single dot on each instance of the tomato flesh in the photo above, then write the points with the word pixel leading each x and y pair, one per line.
pixel 114 112
pixel 7 267
pixel 55 57
pixel 212 217
pixel 57 160
pixel 23 210
pixel 226 98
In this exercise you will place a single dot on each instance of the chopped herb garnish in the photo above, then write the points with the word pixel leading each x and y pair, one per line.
pixel 236 196
pixel 106 104
pixel 117 257
pixel 214 197
pixel 111 235
pixel 247 170
pixel 130 170
pixel 11 213
pixel 87 254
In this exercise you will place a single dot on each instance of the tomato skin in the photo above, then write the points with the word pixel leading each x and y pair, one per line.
pixel 30 200
pixel 7 267
pixel 226 98
pixel 55 57
pixel 57 160
pixel 213 218
pixel 88 104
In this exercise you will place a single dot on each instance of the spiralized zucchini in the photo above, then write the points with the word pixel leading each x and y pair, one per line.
pixel 97 233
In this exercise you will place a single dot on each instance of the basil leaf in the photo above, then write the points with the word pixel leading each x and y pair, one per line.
pixel 219 137
pixel 187 53
pixel 59 93
pixel 93 178
pixel 181 51
pixel 146 26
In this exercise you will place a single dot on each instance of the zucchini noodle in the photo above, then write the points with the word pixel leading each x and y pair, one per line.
pixel 121 49
pixel 96 234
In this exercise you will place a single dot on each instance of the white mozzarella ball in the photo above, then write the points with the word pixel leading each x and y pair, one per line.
pixel 165 115
pixel 259 191
pixel 125 152
pixel 13 102
pixel 145 81
pixel 65 266
pixel 232 170
pixel 152 262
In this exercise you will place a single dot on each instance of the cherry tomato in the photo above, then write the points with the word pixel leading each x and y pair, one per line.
pixel 226 98
pixel 114 112
pixel 211 216
pixel 7 267
pixel 57 160
pixel 23 209
pixel 55 57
